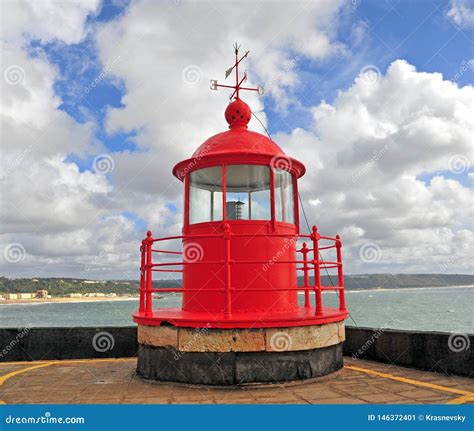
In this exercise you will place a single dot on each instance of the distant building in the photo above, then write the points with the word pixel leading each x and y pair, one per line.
pixel 42 293
pixel 74 295
pixel 25 295
pixel 10 296
pixel 234 210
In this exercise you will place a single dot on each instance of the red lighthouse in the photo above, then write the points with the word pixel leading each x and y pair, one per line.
pixel 242 252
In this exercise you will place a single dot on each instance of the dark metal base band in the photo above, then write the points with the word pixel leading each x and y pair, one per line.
pixel 233 368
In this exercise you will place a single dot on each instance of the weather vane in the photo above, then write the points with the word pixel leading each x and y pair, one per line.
pixel 238 82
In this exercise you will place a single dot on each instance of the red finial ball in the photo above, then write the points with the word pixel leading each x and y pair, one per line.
pixel 238 114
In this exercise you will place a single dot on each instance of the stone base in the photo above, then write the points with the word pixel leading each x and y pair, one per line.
pixel 233 368
pixel 242 340
pixel 234 356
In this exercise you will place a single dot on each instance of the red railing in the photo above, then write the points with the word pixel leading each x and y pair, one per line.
pixel 314 264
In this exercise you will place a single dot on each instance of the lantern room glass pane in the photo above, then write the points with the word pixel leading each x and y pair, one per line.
pixel 248 192
pixel 284 202
pixel 205 195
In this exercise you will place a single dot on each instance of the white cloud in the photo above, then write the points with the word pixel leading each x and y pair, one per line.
pixel 461 13
pixel 56 212
pixel 157 42
pixel 46 19
pixel 370 145
pixel 363 153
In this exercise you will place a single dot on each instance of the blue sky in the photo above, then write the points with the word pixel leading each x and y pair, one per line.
pixel 143 115
pixel 414 30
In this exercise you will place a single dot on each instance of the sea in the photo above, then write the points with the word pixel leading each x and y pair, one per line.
pixel 448 309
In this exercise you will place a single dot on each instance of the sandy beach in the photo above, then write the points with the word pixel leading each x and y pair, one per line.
pixel 60 299
pixel 135 298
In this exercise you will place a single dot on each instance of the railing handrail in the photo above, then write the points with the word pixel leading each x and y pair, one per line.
pixel 167 251
pixel 315 264
pixel 258 289
pixel 216 235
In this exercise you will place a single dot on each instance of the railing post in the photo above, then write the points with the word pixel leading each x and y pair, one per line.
pixel 228 279
pixel 304 250
pixel 141 308
pixel 149 285
pixel 340 275
pixel 317 272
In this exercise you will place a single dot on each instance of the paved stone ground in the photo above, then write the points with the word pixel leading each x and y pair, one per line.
pixel 114 381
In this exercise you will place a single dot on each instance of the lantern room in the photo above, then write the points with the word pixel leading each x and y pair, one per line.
pixel 242 183
pixel 243 261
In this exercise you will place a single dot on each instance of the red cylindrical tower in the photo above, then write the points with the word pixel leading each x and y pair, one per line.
pixel 235 181
pixel 239 261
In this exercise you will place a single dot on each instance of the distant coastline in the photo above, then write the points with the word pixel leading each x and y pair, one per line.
pixel 370 289
pixel 136 298
pixel 387 289
pixel 378 289
pixel 60 299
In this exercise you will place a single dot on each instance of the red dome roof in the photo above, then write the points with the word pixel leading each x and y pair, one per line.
pixel 238 141
pixel 238 146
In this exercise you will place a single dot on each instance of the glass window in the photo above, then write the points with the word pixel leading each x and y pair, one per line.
pixel 284 210
pixel 205 195
pixel 248 192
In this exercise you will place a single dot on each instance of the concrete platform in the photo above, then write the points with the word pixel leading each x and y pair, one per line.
pixel 114 381
pixel 215 356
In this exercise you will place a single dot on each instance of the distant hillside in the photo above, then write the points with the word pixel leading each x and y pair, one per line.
pixel 63 286
pixel 394 281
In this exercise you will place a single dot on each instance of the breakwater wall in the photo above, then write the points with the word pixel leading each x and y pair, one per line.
pixel 434 351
